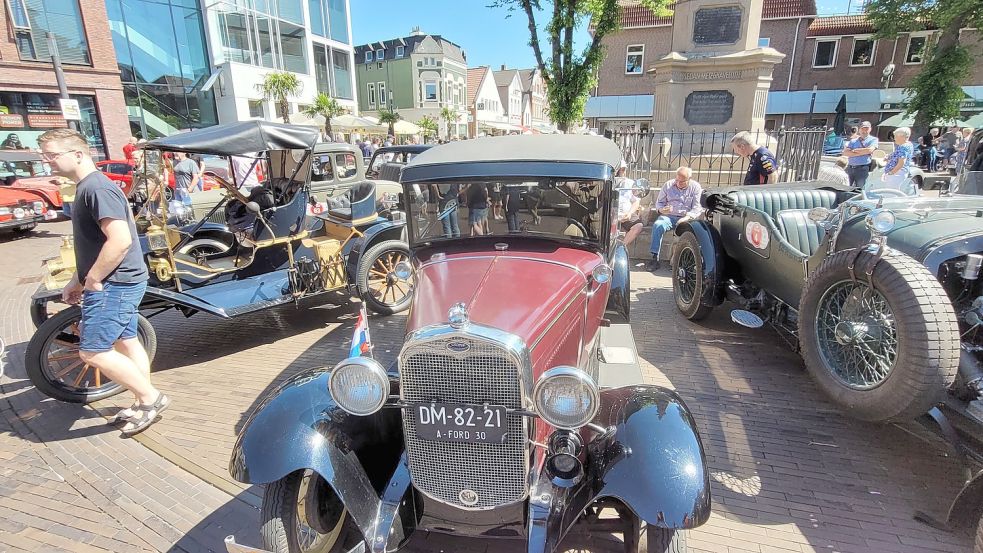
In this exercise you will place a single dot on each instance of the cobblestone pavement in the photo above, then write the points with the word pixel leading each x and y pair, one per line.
pixel 789 473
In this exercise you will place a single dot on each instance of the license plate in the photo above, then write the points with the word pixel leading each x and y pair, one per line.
pixel 450 422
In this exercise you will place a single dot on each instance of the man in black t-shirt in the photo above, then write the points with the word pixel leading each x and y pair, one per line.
pixel 762 165
pixel 110 278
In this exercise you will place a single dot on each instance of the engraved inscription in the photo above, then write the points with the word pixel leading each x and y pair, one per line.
pixel 708 107
pixel 717 25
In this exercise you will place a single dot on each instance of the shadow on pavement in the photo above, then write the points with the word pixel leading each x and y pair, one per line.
pixel 234 518
pixel 779 454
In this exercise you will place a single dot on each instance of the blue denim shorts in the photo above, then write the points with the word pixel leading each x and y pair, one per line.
pixel 110 315
pixel 477 214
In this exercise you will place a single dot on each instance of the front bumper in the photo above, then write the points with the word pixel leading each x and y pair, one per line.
pixel 22 223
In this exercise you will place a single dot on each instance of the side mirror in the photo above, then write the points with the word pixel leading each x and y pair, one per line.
pixel 253 207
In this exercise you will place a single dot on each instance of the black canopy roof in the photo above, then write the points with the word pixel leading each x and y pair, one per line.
pixel 239 138
pixel 19 155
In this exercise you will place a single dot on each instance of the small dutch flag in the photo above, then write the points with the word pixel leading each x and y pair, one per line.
pixel 361 345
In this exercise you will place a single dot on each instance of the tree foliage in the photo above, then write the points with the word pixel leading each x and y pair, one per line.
pixel 569 75
pixel 449 115
pixel 278 86
pixel 390 118
pixel 429 125
pixel 936 92
pixel 326 107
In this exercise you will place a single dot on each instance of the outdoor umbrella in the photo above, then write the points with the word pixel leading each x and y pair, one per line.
pixel 405 127
pixel 907 120
pixel 840 121
pixel 975 121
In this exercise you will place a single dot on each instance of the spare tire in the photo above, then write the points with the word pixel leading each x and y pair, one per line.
pixel 882 353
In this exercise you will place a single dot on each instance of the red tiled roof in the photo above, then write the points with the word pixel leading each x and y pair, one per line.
pixel 636 15
pixel 840 25
pixel 475 76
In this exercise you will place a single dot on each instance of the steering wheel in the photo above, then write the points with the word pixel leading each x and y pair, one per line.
pixel 579 226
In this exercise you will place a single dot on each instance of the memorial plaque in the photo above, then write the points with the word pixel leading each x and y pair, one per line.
pixel 717 25
pixel 708 107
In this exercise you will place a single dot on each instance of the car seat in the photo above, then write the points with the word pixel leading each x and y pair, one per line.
pixel 362 204
pixel 801 232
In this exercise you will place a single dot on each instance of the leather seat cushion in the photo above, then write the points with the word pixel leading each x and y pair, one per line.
pixel 801 232
pixel 341 213
pixel 773 201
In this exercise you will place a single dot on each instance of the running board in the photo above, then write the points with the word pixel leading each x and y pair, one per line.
pixel 617 357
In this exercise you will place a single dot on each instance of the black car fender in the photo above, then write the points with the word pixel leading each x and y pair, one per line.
pixel 298 426
pixel 655 463
pixel 713 259
pixel 618 309
pixel 387 230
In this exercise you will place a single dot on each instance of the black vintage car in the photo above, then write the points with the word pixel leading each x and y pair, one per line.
pixel 516 408
pixel 280 253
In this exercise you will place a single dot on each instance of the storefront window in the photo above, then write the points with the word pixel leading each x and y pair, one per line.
pixel 25 116
pixel 61 18
pixel 342 74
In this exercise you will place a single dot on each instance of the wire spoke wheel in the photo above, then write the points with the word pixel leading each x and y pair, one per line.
pixel 685 275
pixel 856 334
pixel 383 291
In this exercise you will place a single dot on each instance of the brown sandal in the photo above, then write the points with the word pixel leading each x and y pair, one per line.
pixel 146 415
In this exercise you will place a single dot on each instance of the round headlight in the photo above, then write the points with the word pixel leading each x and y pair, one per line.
pixel 880 221
pixel 19 213
pixel 566 397
pixel 601 273
pixel 403 270
pixel 359 385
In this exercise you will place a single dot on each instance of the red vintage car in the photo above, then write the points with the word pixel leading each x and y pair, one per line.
pixel 516 408
pixel 121 171
pixel 24 170
pixel 20 210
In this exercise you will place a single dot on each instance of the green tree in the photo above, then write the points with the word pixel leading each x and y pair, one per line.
pixel 429 126
pixel 449 115
pixel 326 107
pixel 278 86
pixel 569 76
pixel 936 92
pixel 390 118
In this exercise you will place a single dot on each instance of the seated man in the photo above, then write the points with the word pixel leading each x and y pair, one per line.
pixel 678 202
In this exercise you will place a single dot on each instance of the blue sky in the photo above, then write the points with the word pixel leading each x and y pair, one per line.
pixel 487 35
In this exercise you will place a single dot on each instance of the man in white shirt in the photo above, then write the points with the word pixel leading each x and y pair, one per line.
pixel 629 205
pixel 678 202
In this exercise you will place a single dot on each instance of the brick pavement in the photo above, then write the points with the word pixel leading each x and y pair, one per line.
pixel 789 473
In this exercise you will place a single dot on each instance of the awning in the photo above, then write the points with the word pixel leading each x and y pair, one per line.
pixel 637 106
pixel 508 127
pixel 858 100
pixel 975 121
pixel 902 120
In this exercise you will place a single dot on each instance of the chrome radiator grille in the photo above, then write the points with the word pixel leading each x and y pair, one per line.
pixel 483 374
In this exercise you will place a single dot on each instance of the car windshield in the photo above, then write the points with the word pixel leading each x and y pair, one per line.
pixel 546 208
pixel 390 157
pixel 22 169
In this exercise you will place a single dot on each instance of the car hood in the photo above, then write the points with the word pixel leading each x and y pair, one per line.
pixel 47 184
pixel 916 231
pixel 11 196
pixel 522 293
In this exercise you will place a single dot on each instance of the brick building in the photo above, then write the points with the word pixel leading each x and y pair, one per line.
pixel 836 54
pixel 28 90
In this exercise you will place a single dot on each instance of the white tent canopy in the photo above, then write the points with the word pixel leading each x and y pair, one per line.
pixel 903 120
pixel 342 122
pixel 405 127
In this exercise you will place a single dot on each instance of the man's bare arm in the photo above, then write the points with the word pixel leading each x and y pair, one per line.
pixel 118 242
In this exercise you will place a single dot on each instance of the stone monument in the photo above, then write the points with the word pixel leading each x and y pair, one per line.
pixel 715 76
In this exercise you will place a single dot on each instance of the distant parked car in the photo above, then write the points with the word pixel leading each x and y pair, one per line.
pixel 24 170
pixel 20 210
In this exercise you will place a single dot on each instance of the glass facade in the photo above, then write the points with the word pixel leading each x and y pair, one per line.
pixel 264 33
pixel 32 19
pixel 163 60
pixel 333 79
pixel 329 18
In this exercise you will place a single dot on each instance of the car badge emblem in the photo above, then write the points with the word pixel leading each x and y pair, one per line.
pixel 468 497
pixel 458 315
pixel 458 347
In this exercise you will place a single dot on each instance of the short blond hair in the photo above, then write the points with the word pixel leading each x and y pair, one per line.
pixel 65 137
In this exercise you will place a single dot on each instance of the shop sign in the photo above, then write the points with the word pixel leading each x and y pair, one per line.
pixel 967 103
pixel 46 120
pixel 11 121
pixel 70 109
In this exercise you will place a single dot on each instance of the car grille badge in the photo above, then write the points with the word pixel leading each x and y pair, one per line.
pixel 468 497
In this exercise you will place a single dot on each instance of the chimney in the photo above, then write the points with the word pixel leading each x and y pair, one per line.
pixel 503 67
pixel 416 31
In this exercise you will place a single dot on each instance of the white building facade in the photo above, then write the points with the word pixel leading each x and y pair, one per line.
pixel 249 39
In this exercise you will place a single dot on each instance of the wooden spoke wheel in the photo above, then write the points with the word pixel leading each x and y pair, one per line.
pixel 380 288
pixel 54 366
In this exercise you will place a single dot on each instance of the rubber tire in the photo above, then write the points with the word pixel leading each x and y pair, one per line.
pixel 662 540
pixel 928 336
pixel 978 548
pixel 218 245
pixel 55 323
pixel 362 278
pixel 277 515
pixel 695 310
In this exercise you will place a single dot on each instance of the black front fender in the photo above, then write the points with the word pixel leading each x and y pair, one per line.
pixel 655 463
pixel 712 255
pixel 388 230
pixel 298 426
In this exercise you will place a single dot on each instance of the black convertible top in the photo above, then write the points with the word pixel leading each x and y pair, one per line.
pixel 239 138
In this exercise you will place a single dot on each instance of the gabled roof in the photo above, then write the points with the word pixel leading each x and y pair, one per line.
pixel 476 76
pixel 525 78
pixel 410 43
pixel 635 15
pixel 504 78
